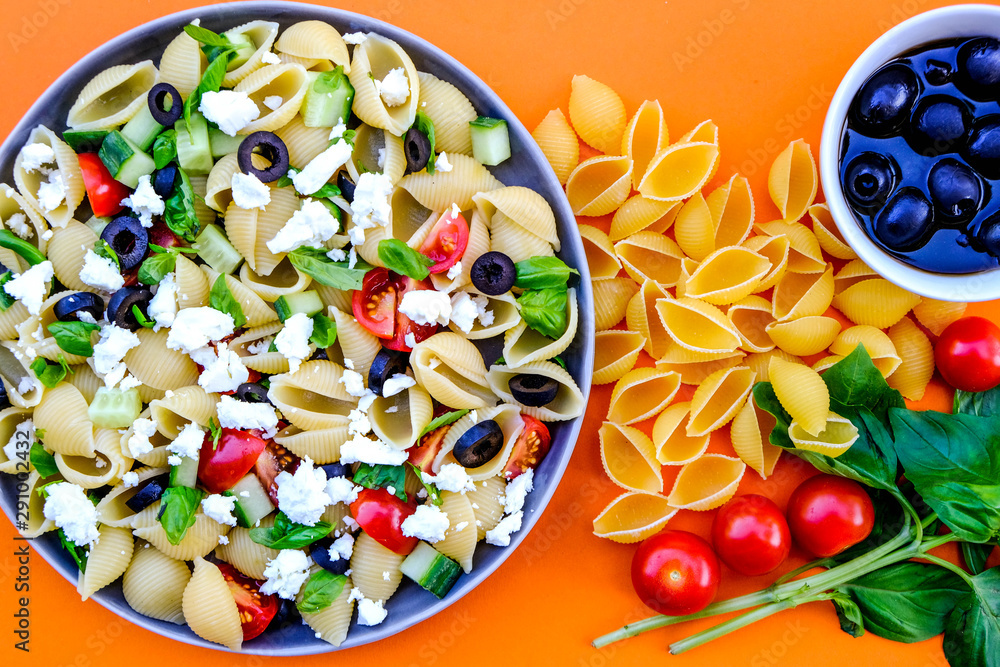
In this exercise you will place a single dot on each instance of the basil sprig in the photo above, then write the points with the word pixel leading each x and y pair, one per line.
pixel 320 591
pixel 178 505
pixel 74 337
pixel 401 258
pixel 544 310
pixel 443 420
pixel 289 535
pixel 42 461
pixel 50 374
pixel 314 263
pixel 382 477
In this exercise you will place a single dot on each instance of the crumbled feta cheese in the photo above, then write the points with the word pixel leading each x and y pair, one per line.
pixel 427 523
pixel 426 306
pixel 517 490
pixel 195 328
pixel 360 423
pixel 370 206
pixel 270 58
pixel 248 191
pixel 68 506
pixel 336 254
pixel 485 316
pixel 500 536
pixel 23 433
pixel 130 479
pixel 311 225
pixel 138 443
pixel 128 382
pixel 381 158
pixel 338 130
pixel 455 210
pixel 455 271
pixel 223 540
pixel 463 311
pixel 353 382
pixel 285 573
pixel 342 547
pixel 366 401
pixel 219 508
pixel 451 477
pixel 51 193
pixel 162 307
pixel 247 416
pixel 272 102
pixel 33 156
pixel 371 612
pixel 101 272
pixel 394 88
pixel 144 202
pixel 318 172
pixel 397 383
pixel 18 223
pixel 352 258
pixel 442 163
pixel 31 286
pixel 372 452
pixel 174 460
pixel 302 496
pixel 410 340
pixel 355 37
pixel 188 442
pixel 293 340
pixel 230 110
pixel 460 526
pixel 342 490
pixel 224 370
pixel 47 235
pixel 111 348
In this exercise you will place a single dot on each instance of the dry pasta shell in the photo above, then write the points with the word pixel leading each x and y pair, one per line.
pixel 679 171
pixel 523 206
pixel 599 185
pixel 802 294
pixel 836 438
pixel 775 249
pixel 642 394
pixel 611 297
pixel 697 326
pixel 917 359
pixel 793 180
pixel 451 112
pixel 804 253
pixel 875 302
pixel 707 482
pixel 645 136
pixel 936 315
pixel 694 228
pixel 522 344
pixel 597 113
pixel 373 59
pixel 287 81
pixel 650 256
pixel 615 353
pixel 717 399
pixel 639 213
pixel 750 435
pixel 558 143
pixel 695 367
pixel 112 97
pixel 828 234
pixel 804 336
pixel 801 392
pixel 706 130
pixel 568 403
pixel 601 257
pixel 314 40
pixel 826 362
pixel 642 317
pixel 674 447
pixel 727 275
pixel 760 363
pixel 629 458
pixel 751 317
pixel 632 517
pixel 852 273
pixel 732 210
pixel 877 343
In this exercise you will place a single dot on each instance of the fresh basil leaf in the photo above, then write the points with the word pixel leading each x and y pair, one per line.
pixel 849 614
pixel 425 125
pixel 286 179
pixel 50 374
pixel 155 267
pixel 401 258
pixel 320 591
pixel 206 36
pixel 6 300
pixel 141 318
pixel 544 311
pixel 103 249
pixel 314 263
pixel 79 554
pixel 42 461
pixel 211 80
pixel 432 491
pixel 178 505
pixel 273 347
pixel 559 360
pixel 543 272
pixel 28 252
pixel 222 300
pixel 216 432
pixel 972 631
pixel 288 535
pixel 179 212
pixel 982 404
pixel 324 331
pixel 976 555
pixel 327 191
pixel 74 337
pixel 349 137
pixel 443 420
pixel 165 148
pixel 391 478
pixel 854 382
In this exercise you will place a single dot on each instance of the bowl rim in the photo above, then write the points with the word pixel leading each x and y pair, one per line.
pixel 968 20
pixel 568 432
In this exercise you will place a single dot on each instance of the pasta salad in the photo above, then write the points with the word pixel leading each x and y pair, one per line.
pixel 240 303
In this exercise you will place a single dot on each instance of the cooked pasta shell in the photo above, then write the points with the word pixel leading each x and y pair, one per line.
pixel 199 540
pixel 732 210
pixel 377 151
pixel 250 230
pixel 486 499
pixel 694 228
pixel 284 279
pixel 112 509
pixel 209 608
pixel 638 214
pixel 522 344
pixel 322 446
pixel 369 562
pixel 717 399
pixel 68 168
pixel 10 419
pixel 878 345
pixel 62 414
pixel 438 191
pixel 674 446
pixel 506 316
pixel 917 359
pixel 459 541
pixel 804 336
pixel 154 584
pixel 801 392
pixel 642 394
pixel 633 516
pixel 508 417
pixel 315 40
pixel 643 318
pixel 185 405
pixel 936 315
pixel 192 286
pixel 451 111
pixel 650 256
pixel 398 420
pixel 331 623
pixel 695 367
pixel 727 275
pixel 597 114
pixel 750 434
pixel 67 249
pixel 679 170
pixel 36 524
pixel 92 472
pixel 828 234
pixel 373 59
pixel 313 397
pixel 629 458
pixel 611 297
pixel 645 136
pixel 182 63
pixel 802 294
pixel 108 559
pixel 262 34
pixel 775 249
pixel 804 253
pixel 697 326
pixel 522 206
pixel 244 554
pixel 707 482
pixel 599 185
pixel 219 188
pixel 112 97
pixel 452 371
pixel 15 209
pixel 875 302
pixel 568 403
pixel 558 143
pixel 836 438
pixel 158 367
pixel 793 180
pixel 851 274
pixel 303 143
pixel 255 309
pixel 615 353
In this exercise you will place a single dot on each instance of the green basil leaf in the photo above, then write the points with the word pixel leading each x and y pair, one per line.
pixel 401 258
pixel 983 403
pixel 211 80
pixel 443 420
pixel 324 331
pixel 141 318
pixel 206 36
pixel 425 125
pixel 165 148
pixel 314 263
pixel 392 478
pixel 50 374
pixel 543 272
pixel 103 249
pixel 42 461
pixel 849 614
pixel 178 505
pixel 173 250
pixel 74 337
pixel 288 535
pixel 216 432
pixel 6 300
pixel 544 311
pixel 559 360
pixel 972 631
pixel 320 591
pixel 179 212
pixel 28 252
pixel 155 267
pixel 976 555
pixel 79 554
pixel 327 191
pixel 432 491
pixel 286 179
pixel 349 136
pixel 854 382
pixel 222 300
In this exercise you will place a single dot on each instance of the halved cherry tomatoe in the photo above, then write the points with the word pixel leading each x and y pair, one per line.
pixel 222 464
pixel 374 305
pixel 256 609
pixel 529 450
pixel 447 240
pixel 103 191
pixel 381 514
pixel 404 325
pixel 274 460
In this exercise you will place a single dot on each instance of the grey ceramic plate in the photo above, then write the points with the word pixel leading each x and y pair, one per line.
pixel 527 167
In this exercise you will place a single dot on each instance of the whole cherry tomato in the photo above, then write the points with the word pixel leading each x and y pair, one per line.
pixel 675 573
pixel 256 609
pixel 381 514
pixel 968 354
pixel 751 535
pixel 829 514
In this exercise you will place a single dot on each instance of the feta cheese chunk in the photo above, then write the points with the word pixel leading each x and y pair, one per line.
pixel 22 438
pixel 138 443
pixel 302 496
pixel 270 58
pixel 219 508
pixel 426 306
pixel 68 506
pixel 130 479
pixel 397 383
pixel 451 477
pixel 33 156
pixel 355 37
pixel 101 272
pixel 517 490
pixel 455 271
pixel 249 192
pixel 342 490
pixel 441 163
pixel 285 573
pixel 162 307
pixel 144 202
pixel 230 110
pixel 394 88
pixel 18 223
pixel 188 442
pixel 272 102
pixel 247 416
pixel 224 370
pixel 353 382
pixel 464 311
pixel 293 340
pixel 500 536
pixel 311 225
pixel 428 523
pixel 194 328
pixel 31 286
pixel 370 206
pixel 373 452
pixel 318 172
pixel 51 193
pixel 371 612
pixel 111 348
pixel 342 547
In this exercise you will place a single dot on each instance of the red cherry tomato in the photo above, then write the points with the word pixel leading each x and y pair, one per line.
pixel 968 354
pixel 423 453
pixel 751 535
pixel 374 304
pixel 994 558
pixel 271 462
pixel 103 191
pixel 256 609
pixel 161 235
pixel 675 573
pixel 381 515
pixel 404 325
pixel 446 242
pixel 529 450
pixel 221 466
pixel 828 514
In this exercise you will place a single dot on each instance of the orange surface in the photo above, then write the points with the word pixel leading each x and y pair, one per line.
pixel 764 70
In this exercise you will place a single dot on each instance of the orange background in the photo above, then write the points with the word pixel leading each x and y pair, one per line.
pixel 765 71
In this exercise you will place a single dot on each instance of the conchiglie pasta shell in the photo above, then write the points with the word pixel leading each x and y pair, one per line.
pixel 283 280
pixel 255 309
pixel 506 316
pixel 642 394
pixel 695 367
pixel 517 242
pixel 450 111
pixel 199 540
pixel 599 185
pixel 732 210
pixel 775 249
pixel 615 353
pixel 558 143
pixel 793 180
pixel 283 205
pixel 368 563
pixel 112 97
pixel 727 275
pixel 826 363
pixel 452 371
pixel 750 434
pixel 508 417
pixel 706 131
pixel 650 256
pixel 438 191
pixel 804 336
pixel 85 471
pixel 936 315
pixel 219 188
pixel 373 59
pixel 412 410
pixel 697 326
pixel 69 169
pixel 182 63
pixel 642 317
pixel 523 206
pixel 611 297
pixel 303 143
pixel 633 516
pixel 801 392
pixel 356 342
pixel 322 446
pixel 314 40
pixel 209 608
pixel 716 401
pixel 486 503
pixel 331 623
pixel 751 317
pixel 674 446
pixel 262 34
pixel 629 458
pixel 458 545
pixel 851 274
pixel 154 584
pixel 185 405
pixel 522 344
pixel 377 151
pixel 804 253
pixel 62 414
pixel 192 286
pixel 112 509
pixel 877 344
pixel 244 554
pixel 835 439
pixel 917 357
pixel 10 419
pixel 313 397
pixel 37 524
pixel 11 204
pixel 802 295
pixel 694 228
pixel 597 113
pixel 679 170
pixel 707 482
pixel 158 367
pixel 68 247
pixel 828 234
pixel 568 403
pixel 639 213
pixel 875 302
pixel 645 136
pixel 108 559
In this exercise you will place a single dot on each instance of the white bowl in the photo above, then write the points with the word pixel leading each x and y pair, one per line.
pixel 932 26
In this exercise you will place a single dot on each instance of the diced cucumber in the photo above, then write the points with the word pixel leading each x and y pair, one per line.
pixel 86 141
pixel 186 474
pixel 328 99
pixel 126 161
pixel 244 49
pixel 221 143
pixel 431 569
pixel 307 302
pixel 142 129
pixel 490 141
pixel 114 408
pixel 252 501
pixel 213 247
pixel 194 154
pixel 98 224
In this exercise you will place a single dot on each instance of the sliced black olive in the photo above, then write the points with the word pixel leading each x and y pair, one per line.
pixel 286 617
pixel 251 392
pixel 320 552
pixel 269 146
pixel 319 354
pixel 68 308
pixel 533 390
pixel 4 400
pixel 120 306
pixel 163 181
pixel 147 494
pixel 157 104
pixel 417 148
pixel 386 364
pixel 493 273
pixel 346 186
pixel 479 444
pixel 336 470
pixel 128 239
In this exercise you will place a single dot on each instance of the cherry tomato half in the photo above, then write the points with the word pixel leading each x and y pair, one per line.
pixel 446 242
pixel 271 462
pixel 529 450
pixel 256 609
pixel 751 535
pixel 404 325
pixel 968 354
pixel 675 573
pixel 381 515
pixel 374 305
pixel 221 466
pixel 103 191
pixel 829 514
